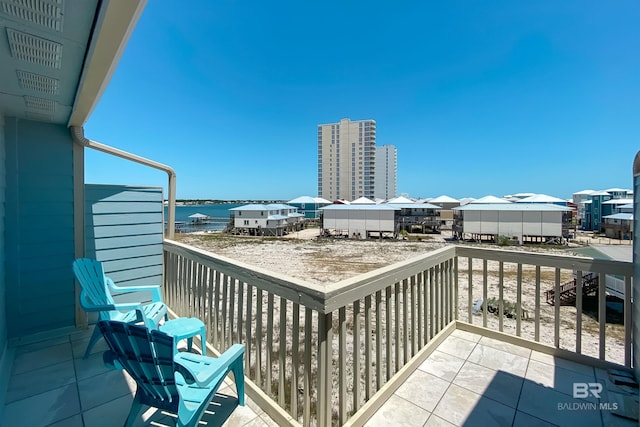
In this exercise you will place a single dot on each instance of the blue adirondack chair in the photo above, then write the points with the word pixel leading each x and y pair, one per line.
pixel 182 383
pixel 96 297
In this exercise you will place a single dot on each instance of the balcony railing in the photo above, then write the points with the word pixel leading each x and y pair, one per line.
pixel 321 352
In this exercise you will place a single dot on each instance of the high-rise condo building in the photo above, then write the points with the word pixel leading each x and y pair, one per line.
pixel 386 172
pixel 346 159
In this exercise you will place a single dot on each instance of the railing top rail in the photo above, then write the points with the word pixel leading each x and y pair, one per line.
pixel 328 298
pixel 624 268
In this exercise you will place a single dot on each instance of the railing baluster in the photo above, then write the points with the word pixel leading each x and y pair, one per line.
pixel 306 372
pixel 432 303
pixel 259 333
pixel 501 296
pixel 470 289
pixel 628 321
pixel 405 323
pixel 396 327
pixel 419 314
pixel 249 335
pixel 232 306
pixel 215 336
pixel 602 312
pixel 283 351
pixel 378 340
pixel 556 329
pixel 368 331
pixel 325 338
pixel 579 285
pixel 356 355
pixel 537 306
pixel 484 292
pixel 456 289
pixel 342 365
pixel 225 303
pixel 438 299
pixel 519 301
pixel 240 309
pixel 388 340
pixel 415 322
pixel 269 349
pixel 295 352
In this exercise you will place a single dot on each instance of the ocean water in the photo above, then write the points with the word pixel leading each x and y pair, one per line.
pixel 218 212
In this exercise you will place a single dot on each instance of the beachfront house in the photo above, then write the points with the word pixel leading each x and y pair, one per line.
pixel 540 222
pixel 257 219
pixel 416 217
pixel 360 221
pixel 301 338
pixel 309 206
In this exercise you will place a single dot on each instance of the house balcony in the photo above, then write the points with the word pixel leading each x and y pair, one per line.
pixel 402 345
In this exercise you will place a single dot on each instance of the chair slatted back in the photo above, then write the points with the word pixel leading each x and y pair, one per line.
pixel 90 275
pixel 147 356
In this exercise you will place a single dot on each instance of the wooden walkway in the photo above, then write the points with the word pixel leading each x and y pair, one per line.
pixel 568 289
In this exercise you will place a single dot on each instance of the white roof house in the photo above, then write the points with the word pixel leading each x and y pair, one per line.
pixel 363 201
pixel 542 198
pixel 360 220
pixel 488 199
pixel 399 199
pixel 444 199
pixel 273 216
pixel 517 220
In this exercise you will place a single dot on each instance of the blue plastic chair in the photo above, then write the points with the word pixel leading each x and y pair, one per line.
pixel 182 383
pixel 96 297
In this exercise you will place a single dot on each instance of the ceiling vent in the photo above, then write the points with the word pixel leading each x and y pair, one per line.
pixel 40 104
pixel 38 83
pixel 40 117
pixel 36 50
pixel 46 13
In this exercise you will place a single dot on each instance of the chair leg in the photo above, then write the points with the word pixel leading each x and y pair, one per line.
pixel 95 336
pixel 238 378
pixel 203 340
pixel 134 412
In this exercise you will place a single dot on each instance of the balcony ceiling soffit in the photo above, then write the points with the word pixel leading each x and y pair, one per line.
pixel 42 50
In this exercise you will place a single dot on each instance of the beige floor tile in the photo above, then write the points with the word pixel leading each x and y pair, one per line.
pixel 38 381
pixel 492 358
pixel 104 388
pixel 436 421
pixel 555 377
pixel 461 407
pixel 42 409
pixel 526 420
pixel 458 347
pixel 90 367
pixel 398 412
pixel 38 345
pixel 563 363
pixel 423 389
pixel 112 413
pixel 497 385
pixel 442 365
pixel 504 346
pixel 557 408
pixel 43 357
pixel 469 336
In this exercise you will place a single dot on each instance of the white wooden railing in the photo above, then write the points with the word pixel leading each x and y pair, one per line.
pixel 321 352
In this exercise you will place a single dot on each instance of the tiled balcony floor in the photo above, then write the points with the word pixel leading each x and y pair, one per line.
pixel 472 380
pixel 51 385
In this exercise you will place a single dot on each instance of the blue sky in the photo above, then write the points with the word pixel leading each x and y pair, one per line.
pixel 479 97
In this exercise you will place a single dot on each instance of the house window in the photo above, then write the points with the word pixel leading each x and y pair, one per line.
pixel 246 222
pixel 239 213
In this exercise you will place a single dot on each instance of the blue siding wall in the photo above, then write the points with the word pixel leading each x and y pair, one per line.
pixel 39 233
pixel 123 229
pixel 3 305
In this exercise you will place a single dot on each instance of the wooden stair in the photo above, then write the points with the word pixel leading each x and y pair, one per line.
pixel 568 290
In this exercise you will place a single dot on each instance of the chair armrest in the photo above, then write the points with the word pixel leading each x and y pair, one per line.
pixel 203 369
pixel 156 292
